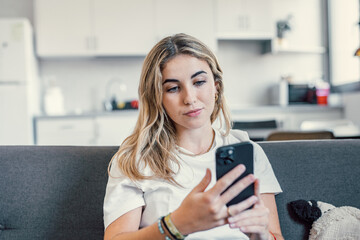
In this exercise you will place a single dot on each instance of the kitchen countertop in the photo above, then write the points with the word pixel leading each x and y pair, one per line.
pixel 90 114
pixel 289 108
pixel 235 110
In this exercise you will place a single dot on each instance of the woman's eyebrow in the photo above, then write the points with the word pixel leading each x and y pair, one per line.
pixel 197 73
pixel 170 80
pixel 192 76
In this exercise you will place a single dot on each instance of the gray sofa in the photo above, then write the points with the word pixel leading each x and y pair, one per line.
pixel 56 192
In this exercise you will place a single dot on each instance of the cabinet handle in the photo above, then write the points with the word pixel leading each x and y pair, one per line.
pixel 244 23
pixel 95 43
pixel 91 43
pixel 88 43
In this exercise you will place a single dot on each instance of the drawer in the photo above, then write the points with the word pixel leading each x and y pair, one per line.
pixel 69 131
pixel 112 130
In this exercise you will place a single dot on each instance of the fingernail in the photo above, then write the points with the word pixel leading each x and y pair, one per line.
pixel 230 219
pixel 232 225
pixel 241 167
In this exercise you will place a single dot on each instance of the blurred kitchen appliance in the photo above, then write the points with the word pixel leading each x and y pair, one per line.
pixel 18 82
pixel 280 92
pixel 301 94
pixel 285 93
pixel 53 98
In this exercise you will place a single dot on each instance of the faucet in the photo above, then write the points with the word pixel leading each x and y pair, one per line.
pixel 112 98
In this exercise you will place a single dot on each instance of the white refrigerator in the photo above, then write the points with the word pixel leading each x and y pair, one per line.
pixel 19 95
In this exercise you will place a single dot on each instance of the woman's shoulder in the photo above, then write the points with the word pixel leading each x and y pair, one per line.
pixel 234 136
pixel 239 134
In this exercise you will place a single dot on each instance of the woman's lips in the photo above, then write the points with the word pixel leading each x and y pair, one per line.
pixel 194 113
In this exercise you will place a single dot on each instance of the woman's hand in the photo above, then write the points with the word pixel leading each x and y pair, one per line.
pixel 202 210
pixel 254 221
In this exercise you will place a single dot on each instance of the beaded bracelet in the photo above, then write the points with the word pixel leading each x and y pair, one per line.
pixel 161 229
pixel 169 225
pixel 167 228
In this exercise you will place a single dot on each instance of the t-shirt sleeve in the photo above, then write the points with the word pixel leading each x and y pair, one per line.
pixel 122 195
pixel 263 170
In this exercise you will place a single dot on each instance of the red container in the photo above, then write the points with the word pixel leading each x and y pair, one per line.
pixel 322 96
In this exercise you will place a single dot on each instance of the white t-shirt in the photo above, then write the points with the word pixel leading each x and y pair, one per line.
pixel 159 197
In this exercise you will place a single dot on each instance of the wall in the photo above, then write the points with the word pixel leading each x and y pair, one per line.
pixel 84 81
pixel 248 73
pixel 17 8
pixel 351 103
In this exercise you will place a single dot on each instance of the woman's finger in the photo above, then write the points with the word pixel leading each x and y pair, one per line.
pixel 237 188
pixel 251 213
pixel 253 218
pixel 223 183
pixel 204 183
pixel 253 221
pixel 256 229
pixel 257 188
pixel 236 209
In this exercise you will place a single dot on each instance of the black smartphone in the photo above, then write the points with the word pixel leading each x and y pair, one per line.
pixel 228 157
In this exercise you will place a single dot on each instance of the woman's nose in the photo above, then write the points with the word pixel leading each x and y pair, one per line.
pixel 189 96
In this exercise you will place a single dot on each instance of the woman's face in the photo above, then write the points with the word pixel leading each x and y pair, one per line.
pixel 188 92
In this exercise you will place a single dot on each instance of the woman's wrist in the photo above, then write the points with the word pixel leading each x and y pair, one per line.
pixel 161 228
pixel 168 228
pixel 171 228
pixel 272 236
pixel 180 223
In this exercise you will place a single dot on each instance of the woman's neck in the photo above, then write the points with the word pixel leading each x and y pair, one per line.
pixel 197 142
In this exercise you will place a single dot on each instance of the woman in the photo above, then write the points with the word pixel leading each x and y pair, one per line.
pixel 157 188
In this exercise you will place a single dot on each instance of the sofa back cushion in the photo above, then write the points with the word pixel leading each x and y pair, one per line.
pixel 52 192
pixel 324 170
pixel 57 192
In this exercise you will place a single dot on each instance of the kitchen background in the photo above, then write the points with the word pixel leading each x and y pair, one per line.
pixel 253 63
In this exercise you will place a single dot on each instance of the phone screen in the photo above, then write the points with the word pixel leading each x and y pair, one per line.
pixel 228 157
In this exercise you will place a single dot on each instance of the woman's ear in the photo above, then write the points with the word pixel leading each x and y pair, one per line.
pixel 216 91
pixel 216 83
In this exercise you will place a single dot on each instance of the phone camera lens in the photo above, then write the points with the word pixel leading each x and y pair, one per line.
pixel 230 151
pixel 223 154
pixel 228 161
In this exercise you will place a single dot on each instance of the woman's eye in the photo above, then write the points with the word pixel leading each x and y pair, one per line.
pixel 199 83
pixel 173 89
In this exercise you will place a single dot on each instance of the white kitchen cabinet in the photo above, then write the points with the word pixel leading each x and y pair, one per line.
pixel 118 27
pixel 274 47
pixel 103 129
pixel 306 35
pixel 65 131
pixel 113 129
pixel 63 28
pixel 244 20
pixel 94 27
pixel 124 27
pixel 187 16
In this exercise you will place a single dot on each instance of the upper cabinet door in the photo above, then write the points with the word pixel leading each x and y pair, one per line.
pixel 118 27
pixel 63 28
pixel 124 27
pixel 187 16
pixel 244 19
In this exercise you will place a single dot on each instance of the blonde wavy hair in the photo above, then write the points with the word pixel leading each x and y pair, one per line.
pixel 152 143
